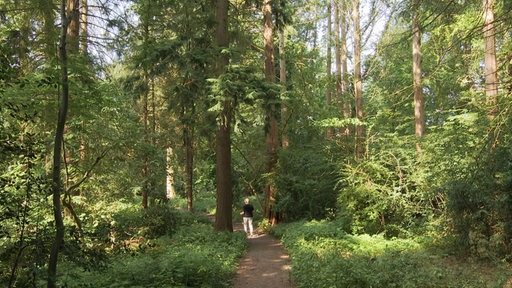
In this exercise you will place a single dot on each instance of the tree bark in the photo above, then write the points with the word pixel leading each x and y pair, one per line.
pixel 171 193
pixel 73 10
pixel 272 130
pixel 189 163
pixel 337 52
pixel 57 187
pixel 344 65
pixel 48 30
pixel 145 113
pixel 84 25
pixel 223 219
pixel 358 81
pixel 328 68
pixel 419 112
pixel 145 160
pixel 285 141
pixel 491 74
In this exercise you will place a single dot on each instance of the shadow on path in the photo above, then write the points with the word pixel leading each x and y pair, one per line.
pixel 265 265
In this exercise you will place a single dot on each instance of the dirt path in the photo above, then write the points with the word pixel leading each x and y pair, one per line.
pixel 265 265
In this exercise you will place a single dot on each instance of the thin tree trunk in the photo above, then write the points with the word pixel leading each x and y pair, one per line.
pixel 358 81
pixel 171 193
pixel 328 68
pixel 223 217
pixel 145 170
pixel 145 164
pixel 285 142
pixel 337 51
pixel 84 27
pixel 419 114
pixel 57 150
pixel 189 163
pixel 344 65
pixel 491 74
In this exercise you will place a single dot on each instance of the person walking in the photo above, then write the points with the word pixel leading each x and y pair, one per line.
pixel 247 213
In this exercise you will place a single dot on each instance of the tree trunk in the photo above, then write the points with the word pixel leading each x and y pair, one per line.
pixel 145 117
pixel 491 74
pixel 358 81
pixel 72 32
pixel 285 142
pixel 223 217
pixel 344 65
pixel 171 193
pixel 73 10
pixel 57 187
pixel 328 68
pixel 337 49
pixel 419 112
pixel 189 163
pixel 48 30
pixel 84 25
pixel 145 160
pixel 272 130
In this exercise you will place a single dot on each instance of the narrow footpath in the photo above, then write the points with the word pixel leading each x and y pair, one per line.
pixel 265 265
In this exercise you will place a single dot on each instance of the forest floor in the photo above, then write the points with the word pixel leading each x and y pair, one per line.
pixel 265 265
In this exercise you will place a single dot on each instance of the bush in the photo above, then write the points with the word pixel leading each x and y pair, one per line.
pixel 305 184
pixel 196 256
pixel 385 192
pixel 323 255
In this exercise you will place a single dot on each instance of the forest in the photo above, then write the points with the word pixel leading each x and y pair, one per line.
pixel 372 136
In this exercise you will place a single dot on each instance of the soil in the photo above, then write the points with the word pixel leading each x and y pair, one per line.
pixel 265 265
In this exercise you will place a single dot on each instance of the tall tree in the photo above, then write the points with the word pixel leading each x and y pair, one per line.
pixel 419 111
pixel 344 64
pixel 328 68
pixel 73 8
pixel 57 185
pixel 358 80
pixel 490 68
pixel 84 26
pixel 337 51
pixel 285 141
pixel 271 110
pixel 223 217
pixel 188 143
pixel 169 172
pixel 145 113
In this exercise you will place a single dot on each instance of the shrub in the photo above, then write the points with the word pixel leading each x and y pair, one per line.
pixel 196 256
pixel 322 255
pixel 385 192
pixel 305 183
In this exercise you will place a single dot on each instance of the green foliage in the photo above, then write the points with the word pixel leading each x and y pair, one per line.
pixel 149 223
pixel 304 181
pixel 385 192
pixel 474 174
pixel 25 216
pixel 196 256
pixel 202 203
pixel 323 255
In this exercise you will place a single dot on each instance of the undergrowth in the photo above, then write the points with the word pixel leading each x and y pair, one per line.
pixel 322 255
pixel 179 249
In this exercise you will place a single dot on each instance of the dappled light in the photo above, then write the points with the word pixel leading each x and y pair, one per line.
pixel 362 143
